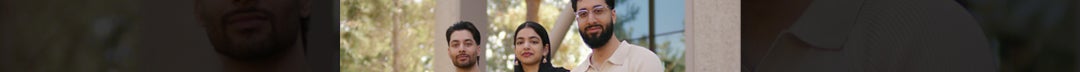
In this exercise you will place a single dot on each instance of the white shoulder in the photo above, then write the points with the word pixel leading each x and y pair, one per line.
pixel 649 61
pixel 581 67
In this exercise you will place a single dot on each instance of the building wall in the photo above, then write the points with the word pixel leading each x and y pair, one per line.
pixel 712 35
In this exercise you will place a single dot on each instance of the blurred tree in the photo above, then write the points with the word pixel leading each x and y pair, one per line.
pixel 1030 35
pixel 572 51
pixel 386 35
pixel 505 15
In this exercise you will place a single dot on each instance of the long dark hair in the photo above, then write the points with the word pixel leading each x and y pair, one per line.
pixel 539 31
pixel 546 42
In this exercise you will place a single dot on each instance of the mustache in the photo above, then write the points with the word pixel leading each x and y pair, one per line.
pixel 461 55
pixel 593 25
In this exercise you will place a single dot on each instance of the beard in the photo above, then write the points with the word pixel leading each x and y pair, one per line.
pixel 467 63
pixel 597 41
pixel 255 48
pixel 256 43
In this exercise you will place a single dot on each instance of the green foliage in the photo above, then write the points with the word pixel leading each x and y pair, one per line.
pixel 386 35
pixel 505 16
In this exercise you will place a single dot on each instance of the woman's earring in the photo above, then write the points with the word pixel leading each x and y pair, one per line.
pixel 545 59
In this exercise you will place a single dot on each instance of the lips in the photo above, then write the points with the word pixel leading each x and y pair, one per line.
pixel 462 57
pixel 526 54
pixel 593 30
pixel 247 20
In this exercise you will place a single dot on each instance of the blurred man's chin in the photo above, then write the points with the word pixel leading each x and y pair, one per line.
pixel 463 64
pixel 467 63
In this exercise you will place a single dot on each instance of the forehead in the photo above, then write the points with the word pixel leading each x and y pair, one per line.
pixel 589 3
pixel 461 35
pixel 526 32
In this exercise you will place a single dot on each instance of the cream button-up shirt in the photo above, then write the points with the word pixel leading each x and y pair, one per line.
pixel 627 58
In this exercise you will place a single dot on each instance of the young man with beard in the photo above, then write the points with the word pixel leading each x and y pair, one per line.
pixel 464 41
pixel 595 23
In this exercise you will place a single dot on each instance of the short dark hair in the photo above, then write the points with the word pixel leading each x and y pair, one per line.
pixel 464 25
pixel 539 31
pixel 573 3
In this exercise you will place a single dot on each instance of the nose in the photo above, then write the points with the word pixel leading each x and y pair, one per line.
pixel 528 46
pixel 461 50
pixel 590 20
pixel 458 48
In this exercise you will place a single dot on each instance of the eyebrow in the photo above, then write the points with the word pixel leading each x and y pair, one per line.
pixel 597 6
pixel 530 37
pixel 534 37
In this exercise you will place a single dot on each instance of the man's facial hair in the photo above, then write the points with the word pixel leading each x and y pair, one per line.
pixel 598 41
pixel 468 63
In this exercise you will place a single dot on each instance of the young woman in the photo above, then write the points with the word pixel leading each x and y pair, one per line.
pixel 533 49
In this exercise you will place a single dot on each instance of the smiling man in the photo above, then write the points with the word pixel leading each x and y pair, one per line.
pixel 464 41
pixel 596 24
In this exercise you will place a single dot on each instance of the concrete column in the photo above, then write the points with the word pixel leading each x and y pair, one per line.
pixel 713 35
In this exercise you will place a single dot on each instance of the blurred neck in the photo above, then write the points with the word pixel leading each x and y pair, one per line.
pixel 466 69
pixel 530 67
pixel 291 61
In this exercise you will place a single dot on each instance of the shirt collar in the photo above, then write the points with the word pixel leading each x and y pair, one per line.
pixel 619 56
pixel 616 58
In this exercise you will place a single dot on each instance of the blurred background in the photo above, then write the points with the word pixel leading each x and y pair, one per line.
pixel 126 36
pixel 387 35
pixel 68 36
pixel 1031 35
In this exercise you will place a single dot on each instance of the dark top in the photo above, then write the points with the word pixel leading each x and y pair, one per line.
pixel 544 67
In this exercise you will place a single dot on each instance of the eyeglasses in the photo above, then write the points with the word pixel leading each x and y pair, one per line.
pixel 596 10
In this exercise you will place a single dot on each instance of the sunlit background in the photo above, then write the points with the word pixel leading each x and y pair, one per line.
pixel 395 35
pixel 386 35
